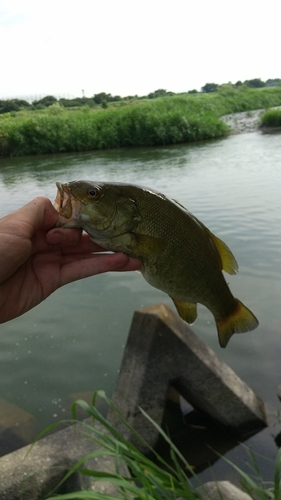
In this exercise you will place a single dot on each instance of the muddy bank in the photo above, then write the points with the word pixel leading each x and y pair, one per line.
pixel 247 121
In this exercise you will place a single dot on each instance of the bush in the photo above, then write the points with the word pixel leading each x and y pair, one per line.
pixel 271 118
pixel 130 126
pixel 162 121
pixel 255 83
pixel 45 101
pixel 210 87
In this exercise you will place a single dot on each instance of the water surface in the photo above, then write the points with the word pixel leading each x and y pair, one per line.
pixel 73 342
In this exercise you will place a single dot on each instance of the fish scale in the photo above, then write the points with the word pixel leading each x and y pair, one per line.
pixel 179 254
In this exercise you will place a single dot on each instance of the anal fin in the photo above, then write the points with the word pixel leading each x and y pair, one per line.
pixel 186 310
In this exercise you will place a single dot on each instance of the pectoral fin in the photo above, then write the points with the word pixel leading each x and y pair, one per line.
pixel 147 245
pixel 229 263
pixel 186 310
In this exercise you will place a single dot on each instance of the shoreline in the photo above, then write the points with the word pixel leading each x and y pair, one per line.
pixel 246 121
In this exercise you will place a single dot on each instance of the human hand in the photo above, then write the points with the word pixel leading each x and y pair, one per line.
pixel 35 259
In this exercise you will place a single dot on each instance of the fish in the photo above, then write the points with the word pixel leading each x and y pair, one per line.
pixel 179 254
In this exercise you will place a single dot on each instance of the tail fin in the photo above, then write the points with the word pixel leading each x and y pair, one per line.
pixel 241 320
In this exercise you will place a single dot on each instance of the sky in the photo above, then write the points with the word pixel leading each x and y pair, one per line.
pixel 132 47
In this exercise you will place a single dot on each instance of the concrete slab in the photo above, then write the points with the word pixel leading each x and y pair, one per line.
pixel 219 490
pixel 32 473
pixel 162 350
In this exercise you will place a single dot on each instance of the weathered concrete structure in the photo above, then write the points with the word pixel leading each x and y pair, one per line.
pixel 161 350
pixel 221 490
pixel 31 473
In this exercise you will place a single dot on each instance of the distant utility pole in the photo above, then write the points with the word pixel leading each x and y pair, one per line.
pixel 83 93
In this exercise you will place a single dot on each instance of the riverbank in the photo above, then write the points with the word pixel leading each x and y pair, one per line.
pixel 246 121
pixel 182 118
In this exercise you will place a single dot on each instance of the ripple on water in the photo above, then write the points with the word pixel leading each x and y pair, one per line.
pixel 232 185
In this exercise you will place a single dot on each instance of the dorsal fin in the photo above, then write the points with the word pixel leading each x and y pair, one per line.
pixel 229 263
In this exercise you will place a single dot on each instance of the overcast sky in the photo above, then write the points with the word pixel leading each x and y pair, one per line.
pixel 128 47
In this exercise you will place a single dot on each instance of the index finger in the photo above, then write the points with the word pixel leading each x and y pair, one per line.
pixel 37 214
pixel 72 241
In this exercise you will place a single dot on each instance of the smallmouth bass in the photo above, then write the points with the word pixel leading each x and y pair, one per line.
pixel 179 255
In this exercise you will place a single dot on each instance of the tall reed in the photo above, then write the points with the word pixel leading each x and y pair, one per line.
pixel 162 121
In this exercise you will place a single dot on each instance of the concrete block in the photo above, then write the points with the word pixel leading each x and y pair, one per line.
pixel 17 427
pixel 32 473
pixel 221 490
pixel 162 350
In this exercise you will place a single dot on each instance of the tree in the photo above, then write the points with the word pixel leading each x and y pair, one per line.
pixel 46 101
pixel 273 82
pixel 210 87
pixel 76 102
pixel 159 93
pixel 255 83
pixel 102 96
pixel 12 105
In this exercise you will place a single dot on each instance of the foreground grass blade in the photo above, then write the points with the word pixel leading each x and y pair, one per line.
pixel 147 480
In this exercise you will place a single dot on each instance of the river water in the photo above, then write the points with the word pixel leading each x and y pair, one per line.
pixel 73 342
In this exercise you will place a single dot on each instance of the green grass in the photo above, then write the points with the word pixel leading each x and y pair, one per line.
pixel 142 124
pixel 152 479
pixel 177 119
pixel 271 118
pixel 147 480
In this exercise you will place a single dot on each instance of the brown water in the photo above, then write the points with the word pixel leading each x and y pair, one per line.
pixel 73 342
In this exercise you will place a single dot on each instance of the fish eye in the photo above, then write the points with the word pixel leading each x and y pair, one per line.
pixel 93 193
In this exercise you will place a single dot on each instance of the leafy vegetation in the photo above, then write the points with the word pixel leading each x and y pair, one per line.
pixel 210 87
pixel 271 118
pixel 159 93
pixel 254 83
pixel 97 99
pixel 180 118
pixel 13 105
pixel 151 479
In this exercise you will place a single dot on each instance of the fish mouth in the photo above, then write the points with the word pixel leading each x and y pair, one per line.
pixel 67 207
pixel 62 202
